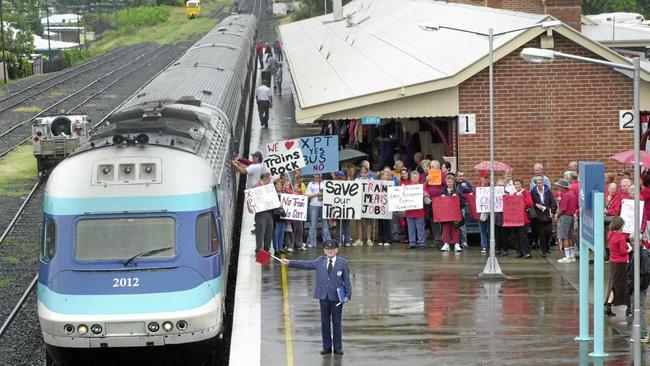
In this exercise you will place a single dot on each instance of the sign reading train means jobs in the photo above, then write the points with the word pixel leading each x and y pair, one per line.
pixel 283 157
pixel 262 198
pixel 342 200
pixel 295 206
pixel 321 154
pixel 375 199
pixel 402 198
pixel 483 199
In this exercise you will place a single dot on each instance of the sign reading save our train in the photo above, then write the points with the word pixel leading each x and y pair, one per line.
pixel 342 200
pixel 283 157
pixel 321 154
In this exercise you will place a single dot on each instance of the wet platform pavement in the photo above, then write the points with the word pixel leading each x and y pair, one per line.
pixel 412 307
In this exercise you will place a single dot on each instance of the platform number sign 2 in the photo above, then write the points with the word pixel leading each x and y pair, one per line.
pixel 466 124
pixel 626 121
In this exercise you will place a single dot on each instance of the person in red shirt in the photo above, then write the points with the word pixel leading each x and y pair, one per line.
pixel 521 233
pixel 565 221
pixel 645 197
pixel 415 218
pixel 260 53
pixel 619 250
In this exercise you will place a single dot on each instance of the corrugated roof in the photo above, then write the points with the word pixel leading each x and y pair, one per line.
pixel 387 48
pixel 621 34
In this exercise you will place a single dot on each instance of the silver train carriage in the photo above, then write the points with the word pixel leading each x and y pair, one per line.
pixel 138 222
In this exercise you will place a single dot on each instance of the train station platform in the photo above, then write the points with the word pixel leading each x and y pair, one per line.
pixel 411 307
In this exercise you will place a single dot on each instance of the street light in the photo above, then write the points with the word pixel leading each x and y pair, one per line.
pixel 540 56
pixel 492 270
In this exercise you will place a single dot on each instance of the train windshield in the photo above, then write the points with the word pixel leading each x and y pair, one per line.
pixel 123 238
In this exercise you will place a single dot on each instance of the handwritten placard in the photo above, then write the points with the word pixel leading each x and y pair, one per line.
pixel 262 198
pixel 446 209
pixel 295 205
pixel 513 211
pixel 375 199
pixel 434 177
pixel 627 214
pixel 283 157
pixel 321 154
pixel 342 200
pixel 402 198
pixel 483 199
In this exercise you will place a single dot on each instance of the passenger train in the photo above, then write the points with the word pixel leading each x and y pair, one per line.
pixel 138 221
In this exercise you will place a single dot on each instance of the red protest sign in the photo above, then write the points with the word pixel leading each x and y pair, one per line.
pixel 263 257
pixel 513 211
pixel 446 208
pixel 471 199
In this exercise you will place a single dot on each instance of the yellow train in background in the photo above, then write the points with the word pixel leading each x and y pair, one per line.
pixel 193 9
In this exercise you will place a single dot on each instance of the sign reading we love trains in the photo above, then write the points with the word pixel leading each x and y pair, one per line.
pixel 283 157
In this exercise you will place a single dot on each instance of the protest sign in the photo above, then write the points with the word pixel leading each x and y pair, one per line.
pixel 627 214
pixel 402 198
pixel 321 154
pixel 483 199
pixel 262 198
pixel 513 211
pixel 434 177
pixel 342 200
pixel 446 209
pixel 295 205
pixel 375 199
pixel 283 157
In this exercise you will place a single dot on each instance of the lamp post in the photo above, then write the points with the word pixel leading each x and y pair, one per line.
pixel 537 55
pixel 492 270
pixel 47 17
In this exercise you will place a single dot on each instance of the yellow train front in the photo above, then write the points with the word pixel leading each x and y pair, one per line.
pixel 193 9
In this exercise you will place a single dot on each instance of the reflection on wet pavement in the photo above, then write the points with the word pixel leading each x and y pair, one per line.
pixel 430 308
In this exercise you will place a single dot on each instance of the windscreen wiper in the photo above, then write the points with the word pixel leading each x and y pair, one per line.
pixel 146 254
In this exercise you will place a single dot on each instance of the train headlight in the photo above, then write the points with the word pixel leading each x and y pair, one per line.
pixel 82 329
pixel 167 326
pixel 68 328
pixel 181 325
pixel 96 328
pixel 153 327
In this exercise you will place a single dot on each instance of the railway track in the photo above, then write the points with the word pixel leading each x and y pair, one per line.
pixel 18 98
pixel 24 135
pixel 20 313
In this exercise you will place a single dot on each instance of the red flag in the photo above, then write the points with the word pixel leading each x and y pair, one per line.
pixel 263 257
pixel 513 211
pixel 446 208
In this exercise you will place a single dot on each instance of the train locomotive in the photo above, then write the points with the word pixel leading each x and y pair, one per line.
pixel 137 223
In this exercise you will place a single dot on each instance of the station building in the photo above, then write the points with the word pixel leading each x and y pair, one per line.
pixel 381 59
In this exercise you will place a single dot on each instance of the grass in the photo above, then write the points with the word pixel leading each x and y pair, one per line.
pixel 177 29
pixel 5 282
pixel 28 109
pixel 17 172
pixel 285 20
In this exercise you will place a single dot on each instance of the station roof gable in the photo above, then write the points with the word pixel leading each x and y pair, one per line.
pixel 339 71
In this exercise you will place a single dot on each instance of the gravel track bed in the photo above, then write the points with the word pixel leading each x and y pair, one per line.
pixel 23 344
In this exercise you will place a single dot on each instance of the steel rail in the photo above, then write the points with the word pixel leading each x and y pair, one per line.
pixel 16 309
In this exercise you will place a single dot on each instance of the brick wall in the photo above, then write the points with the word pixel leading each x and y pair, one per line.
pixel 528 6
pixel 552 113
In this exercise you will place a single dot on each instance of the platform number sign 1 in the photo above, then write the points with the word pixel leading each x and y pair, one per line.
pixel 466 124
pixel 626 121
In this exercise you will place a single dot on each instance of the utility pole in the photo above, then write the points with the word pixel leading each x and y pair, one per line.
pixel 2 34
pixel 47 14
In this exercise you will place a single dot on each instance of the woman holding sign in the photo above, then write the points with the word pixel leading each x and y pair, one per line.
pixel 364 223
pixel 521 232
pixel 451 229
pixel 415 218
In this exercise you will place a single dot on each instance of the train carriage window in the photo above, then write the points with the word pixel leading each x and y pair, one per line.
pixel 207 237
pixel 48 241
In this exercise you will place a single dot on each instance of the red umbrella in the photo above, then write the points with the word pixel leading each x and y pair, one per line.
pixel 498 166
pixel 627 157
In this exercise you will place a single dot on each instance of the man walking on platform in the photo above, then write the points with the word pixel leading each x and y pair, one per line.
pixel 264 102
pixel 333 289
